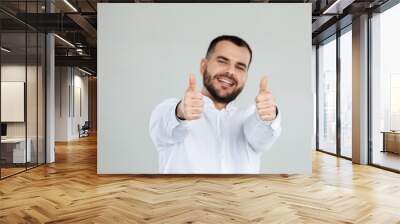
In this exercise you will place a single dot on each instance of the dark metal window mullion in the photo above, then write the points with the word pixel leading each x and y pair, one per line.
pixel 37 90
pixel 45 92
pixel 369 90
pixel 26 86
pixel 338 94
pixel 317 96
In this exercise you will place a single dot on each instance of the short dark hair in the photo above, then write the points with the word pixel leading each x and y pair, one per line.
pixel 233 39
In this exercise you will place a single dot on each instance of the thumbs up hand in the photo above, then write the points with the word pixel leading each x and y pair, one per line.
pixel 265 103
pixel 191 107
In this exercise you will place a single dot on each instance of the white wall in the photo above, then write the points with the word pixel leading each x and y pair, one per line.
pixel 16 72
pixel 80 83
pixel 68 81
pixel 61 103
pixel 149 54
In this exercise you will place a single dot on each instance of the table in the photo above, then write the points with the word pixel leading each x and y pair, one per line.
pixel 15 148
pixel 391 141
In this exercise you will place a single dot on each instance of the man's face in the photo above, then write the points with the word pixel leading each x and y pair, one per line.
pixel 225 71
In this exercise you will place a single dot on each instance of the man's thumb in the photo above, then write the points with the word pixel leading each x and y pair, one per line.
pixel 264 84
pixel 192 83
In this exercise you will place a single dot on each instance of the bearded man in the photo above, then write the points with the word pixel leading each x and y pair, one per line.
pixel 204 133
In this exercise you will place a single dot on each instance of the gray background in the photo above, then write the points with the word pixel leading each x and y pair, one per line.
pixel 147 51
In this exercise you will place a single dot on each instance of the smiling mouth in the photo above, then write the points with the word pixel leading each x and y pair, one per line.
pixel 226 82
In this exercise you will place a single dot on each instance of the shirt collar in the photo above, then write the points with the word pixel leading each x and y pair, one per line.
pixel 209 103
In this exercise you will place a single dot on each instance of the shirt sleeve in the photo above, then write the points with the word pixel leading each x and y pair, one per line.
pixel 261 134
pixel 165 128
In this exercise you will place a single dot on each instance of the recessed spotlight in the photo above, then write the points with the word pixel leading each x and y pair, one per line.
pixel 5 50
pixel 70 5
pixel 84 71
pixel 64 40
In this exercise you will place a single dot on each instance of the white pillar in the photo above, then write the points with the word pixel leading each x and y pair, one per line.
pixel 50 99
pixel 50 82
pixel 360 90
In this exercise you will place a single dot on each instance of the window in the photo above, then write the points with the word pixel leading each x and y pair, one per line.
pixel 346 93
pixel 385 88
pixel 327 96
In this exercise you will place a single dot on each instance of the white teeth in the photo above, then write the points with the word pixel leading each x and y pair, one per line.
pixel 226 81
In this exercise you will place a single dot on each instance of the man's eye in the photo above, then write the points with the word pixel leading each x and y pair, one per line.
pixel 222 61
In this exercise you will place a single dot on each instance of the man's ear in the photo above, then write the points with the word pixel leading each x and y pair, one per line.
pixel 203 65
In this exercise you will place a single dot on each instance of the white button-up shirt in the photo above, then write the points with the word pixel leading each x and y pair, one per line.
pixel 230 140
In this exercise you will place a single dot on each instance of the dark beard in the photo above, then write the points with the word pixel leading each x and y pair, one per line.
pixel 213 92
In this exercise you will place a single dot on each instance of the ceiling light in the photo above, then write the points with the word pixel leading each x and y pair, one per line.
pixel 70 5
pixel 329 9
pixel 64 40
pixel 84 71
pixel 5 50
pixel 79 51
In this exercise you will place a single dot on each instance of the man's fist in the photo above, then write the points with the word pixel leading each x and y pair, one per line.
pixel 191 107
pixel 265 102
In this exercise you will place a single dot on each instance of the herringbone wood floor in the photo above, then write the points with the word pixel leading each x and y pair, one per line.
pixel 70 191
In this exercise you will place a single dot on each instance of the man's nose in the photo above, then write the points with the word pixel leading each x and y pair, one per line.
pixel 231 70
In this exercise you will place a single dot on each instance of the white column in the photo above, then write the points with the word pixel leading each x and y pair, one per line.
pixel 360 90
pixel 50 100
pixel 50 91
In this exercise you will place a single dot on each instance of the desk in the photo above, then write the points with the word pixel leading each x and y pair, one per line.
pixel 391 141
pixel 15 148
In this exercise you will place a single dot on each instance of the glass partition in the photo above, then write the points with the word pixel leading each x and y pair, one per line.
pixel 22 77
pixel 13 109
